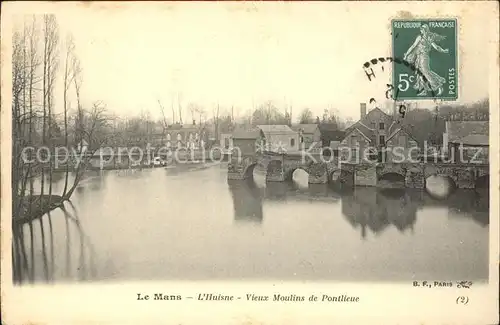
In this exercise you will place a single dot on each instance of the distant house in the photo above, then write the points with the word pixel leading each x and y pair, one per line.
pixel 308 135
pixel 331 137
pixel 471 136
pixel 186 136
pixel 330 132
pixel 157 138
pixel 226 140
pixel 154 138
pixel 407 146
pixel 280 138
pixel 248 142
pixel 102 157
pixel 373 134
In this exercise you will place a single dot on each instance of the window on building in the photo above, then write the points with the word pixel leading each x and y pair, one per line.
pixel 354 154
pixel 292 142
pixel 168 137
pixel 381 126
pixel 381 156
pixel 381 140
pixel 179 137
pixel 372 154
pixel 354 140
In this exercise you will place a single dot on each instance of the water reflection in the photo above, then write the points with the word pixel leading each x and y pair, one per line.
pixel 33 250
pixel 365 208
pixel 247 201
pixel 368 208
pixel 194 224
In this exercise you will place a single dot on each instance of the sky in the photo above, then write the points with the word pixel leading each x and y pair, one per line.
pixel 243 54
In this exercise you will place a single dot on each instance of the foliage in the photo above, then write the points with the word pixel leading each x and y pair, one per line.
pixel 306 116
pixel 268 114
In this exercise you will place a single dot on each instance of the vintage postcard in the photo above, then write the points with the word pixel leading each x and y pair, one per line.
pixel 250 162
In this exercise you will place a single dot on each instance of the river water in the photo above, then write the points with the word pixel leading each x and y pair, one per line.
pixel 192 224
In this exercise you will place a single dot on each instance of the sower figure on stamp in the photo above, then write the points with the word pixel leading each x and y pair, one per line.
pixel 419 55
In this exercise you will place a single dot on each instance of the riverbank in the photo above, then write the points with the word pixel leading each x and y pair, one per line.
pixel 125 162
pixel 35 206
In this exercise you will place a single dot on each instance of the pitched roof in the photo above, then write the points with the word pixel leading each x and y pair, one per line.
pixel 475 132
pixel 306 128
pixel 366 132
pixel 246 134
pixel 276 129
pixel 363 126
pixel 363 134
pixel 401 129
pixel 376 109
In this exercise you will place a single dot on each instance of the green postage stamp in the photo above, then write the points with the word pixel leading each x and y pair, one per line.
pixel 425 62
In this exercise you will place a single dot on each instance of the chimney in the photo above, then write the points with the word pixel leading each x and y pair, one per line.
pixel 362 110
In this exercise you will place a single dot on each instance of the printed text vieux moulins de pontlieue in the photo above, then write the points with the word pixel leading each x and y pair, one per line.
pixel 251 297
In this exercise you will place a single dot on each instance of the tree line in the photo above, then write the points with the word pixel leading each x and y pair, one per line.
pixel 40 56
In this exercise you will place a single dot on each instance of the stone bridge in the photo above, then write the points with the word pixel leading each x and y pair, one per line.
pixel 280 168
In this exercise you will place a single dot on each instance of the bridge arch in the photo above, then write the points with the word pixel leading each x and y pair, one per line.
pixel 341 177
pixel 391 176
pixel 271 169
pixel 391 179
pixel 430 178
pixel 289 172
pixel 248 170
pixel 440 185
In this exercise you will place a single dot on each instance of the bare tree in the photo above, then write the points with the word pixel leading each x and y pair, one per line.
pixel 162 109
pixel 147 124
pixel 173 110
pixel 95 130
pixel 179 104
pixel 268 113
pixel 215 113
pixel 201 114
pixel 51 62
pixel 193 109
pixel 306 116
pixel 26 63
pixel 34 123
pixel 18 109
pixel 70 72
pixel 77 82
